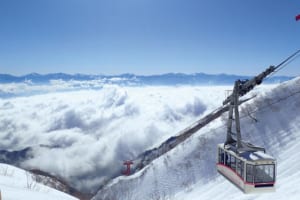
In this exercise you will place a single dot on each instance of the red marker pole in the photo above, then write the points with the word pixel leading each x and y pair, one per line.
pixel 297 17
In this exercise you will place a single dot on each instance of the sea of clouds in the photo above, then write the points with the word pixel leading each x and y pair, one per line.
pixel 84 133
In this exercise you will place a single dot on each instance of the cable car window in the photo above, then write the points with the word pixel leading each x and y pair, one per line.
pixel 221 156
pixel 249 173
pixel 239 167
pixel 227 159
pixel 264 173
pixel 232 162
pixel 242 169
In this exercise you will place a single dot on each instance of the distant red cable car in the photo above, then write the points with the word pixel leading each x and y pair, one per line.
pixel 298 17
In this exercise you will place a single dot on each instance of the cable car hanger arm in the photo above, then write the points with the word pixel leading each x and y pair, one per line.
pixel 247 85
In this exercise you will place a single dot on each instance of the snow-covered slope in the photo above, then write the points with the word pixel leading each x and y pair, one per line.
pixel 188 171
pixel 17 184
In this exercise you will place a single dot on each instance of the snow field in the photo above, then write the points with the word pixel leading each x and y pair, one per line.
pixel 17 184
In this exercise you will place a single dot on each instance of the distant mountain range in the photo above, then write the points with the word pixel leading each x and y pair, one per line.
pixel 131 79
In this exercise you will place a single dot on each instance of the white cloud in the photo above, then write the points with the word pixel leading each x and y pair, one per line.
pixel 87 133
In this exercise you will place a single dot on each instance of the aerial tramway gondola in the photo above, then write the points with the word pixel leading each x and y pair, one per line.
pixel 244 164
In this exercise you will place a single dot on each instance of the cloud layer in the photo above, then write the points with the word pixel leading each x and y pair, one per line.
pixel 86 134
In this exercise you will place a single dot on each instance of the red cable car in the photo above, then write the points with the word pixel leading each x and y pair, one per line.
pixel 245 165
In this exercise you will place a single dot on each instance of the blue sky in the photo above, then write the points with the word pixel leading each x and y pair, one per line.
pixel 147 36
